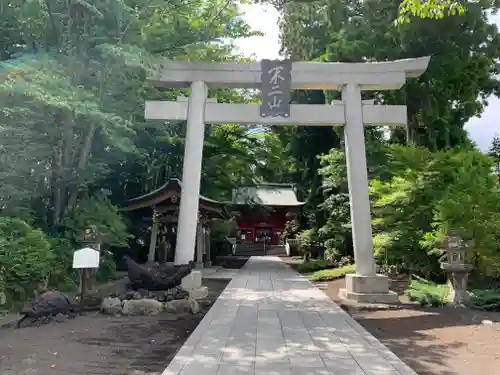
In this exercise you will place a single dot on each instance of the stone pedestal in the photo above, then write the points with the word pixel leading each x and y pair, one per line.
pixel 368 289
pixel 192 284
pixel 458 275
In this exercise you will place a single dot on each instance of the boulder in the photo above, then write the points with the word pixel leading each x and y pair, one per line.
pixel 48 305
pixel 154 277
pixel 146 306
pixel 111 305
pixel 181 306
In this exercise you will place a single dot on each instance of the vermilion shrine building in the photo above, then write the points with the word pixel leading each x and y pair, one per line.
pixel 262 211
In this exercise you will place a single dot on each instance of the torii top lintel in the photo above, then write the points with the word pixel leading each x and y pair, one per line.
pixel 385 75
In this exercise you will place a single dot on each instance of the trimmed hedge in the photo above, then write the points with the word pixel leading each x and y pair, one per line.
pixel 333 274
pixel 314 265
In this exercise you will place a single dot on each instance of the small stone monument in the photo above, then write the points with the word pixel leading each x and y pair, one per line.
pixel 456 267
pixel 192 284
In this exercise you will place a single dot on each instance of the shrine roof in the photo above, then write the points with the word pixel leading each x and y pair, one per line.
pixel 163 193
pixel 269 194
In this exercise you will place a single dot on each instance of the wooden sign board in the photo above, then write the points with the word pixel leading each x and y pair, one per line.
pixel 86 258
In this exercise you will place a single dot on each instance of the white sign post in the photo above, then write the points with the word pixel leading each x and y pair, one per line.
pixel 352 113
pixel 85 259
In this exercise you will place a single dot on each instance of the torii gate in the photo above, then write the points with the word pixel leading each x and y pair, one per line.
pixel 349 78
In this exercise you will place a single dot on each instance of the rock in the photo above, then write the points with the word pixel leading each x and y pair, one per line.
pixel 146 306
pixel 179 293
pixel 60 318
pixel 143 293
pixel 177 306
pixel 138 372
pixel 180 306
pixel 47 305
pixel 199 293
pixel 133 295
pixel 92 301
pixel 191 281
pixel 194 306
pixel 111 306
pixel 192 285
pixel 486 322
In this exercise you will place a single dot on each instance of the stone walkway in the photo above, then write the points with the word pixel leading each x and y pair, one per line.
pixel 272 321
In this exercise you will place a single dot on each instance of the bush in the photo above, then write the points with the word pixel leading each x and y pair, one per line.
pixel 333 274
pixel 427 293
pixel 308 239
pixel 485 300
pixel 25 260
pixel 315 265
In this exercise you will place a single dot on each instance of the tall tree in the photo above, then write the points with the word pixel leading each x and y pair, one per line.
pixel 73 89
pixel 461 74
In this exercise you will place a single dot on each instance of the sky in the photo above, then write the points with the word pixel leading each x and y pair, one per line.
pixel 265 19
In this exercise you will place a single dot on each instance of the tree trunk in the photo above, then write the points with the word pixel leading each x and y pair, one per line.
pixel 82 163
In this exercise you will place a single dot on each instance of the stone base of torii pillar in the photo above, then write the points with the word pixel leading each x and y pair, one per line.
pixel 368 290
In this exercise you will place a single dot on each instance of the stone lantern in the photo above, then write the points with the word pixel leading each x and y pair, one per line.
pixel 457 268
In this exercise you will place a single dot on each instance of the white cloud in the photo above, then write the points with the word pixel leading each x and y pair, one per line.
pixel 265 19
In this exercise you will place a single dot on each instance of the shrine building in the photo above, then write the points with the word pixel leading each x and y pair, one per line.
pixel 159 210
pixel 262 211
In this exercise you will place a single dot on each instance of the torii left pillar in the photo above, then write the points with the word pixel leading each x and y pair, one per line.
pixel 191 173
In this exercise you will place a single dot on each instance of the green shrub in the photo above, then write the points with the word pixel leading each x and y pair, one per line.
pixel 485 300
pixel 427 293
pixel 333 274
pixel 25 260
pixel 308 239
pixel 314 265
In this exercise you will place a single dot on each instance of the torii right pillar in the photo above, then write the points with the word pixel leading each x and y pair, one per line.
pixel 364 286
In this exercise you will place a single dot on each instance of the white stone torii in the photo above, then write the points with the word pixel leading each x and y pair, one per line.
pixel 349 78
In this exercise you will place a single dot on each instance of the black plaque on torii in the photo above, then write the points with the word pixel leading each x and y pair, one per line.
pixel 276 78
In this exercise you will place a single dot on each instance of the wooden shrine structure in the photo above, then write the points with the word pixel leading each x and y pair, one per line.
pixel 262 211
pixel 161 208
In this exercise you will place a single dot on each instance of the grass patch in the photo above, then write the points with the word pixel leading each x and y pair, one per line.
pixel 333 274
pixel 427 293
pixel 485 300
pixel 314 265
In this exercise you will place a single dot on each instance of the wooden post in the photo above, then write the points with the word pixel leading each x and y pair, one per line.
pixel 154 235
pixel 85 260
pixel 83 286
pixel 199 244
pixel 208 256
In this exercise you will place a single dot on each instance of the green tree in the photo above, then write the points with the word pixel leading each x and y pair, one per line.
pixel 461 74
pixel 74 81
pixel 494 152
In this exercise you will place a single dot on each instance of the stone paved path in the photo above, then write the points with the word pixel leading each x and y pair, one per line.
pixel 272 321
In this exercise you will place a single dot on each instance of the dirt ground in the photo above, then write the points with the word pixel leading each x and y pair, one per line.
pixel 434 341
pixel 98 344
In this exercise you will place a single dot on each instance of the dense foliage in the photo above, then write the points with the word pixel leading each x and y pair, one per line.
pixel 74 143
